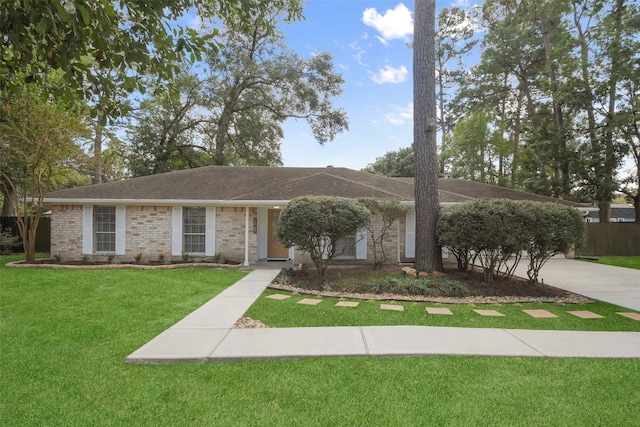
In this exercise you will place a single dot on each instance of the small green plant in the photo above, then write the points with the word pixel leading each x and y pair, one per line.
pixel 381 287
pixel 86 259
pixel 111 258
pixel 284 276
pixel 57 257
pixel 217 258
pixel 161 258
pixel 138 257
pixel 185 256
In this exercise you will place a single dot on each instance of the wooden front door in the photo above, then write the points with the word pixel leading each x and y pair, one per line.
pixel 275 249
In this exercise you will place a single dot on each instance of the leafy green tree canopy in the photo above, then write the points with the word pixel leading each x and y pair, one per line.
pixel 129 37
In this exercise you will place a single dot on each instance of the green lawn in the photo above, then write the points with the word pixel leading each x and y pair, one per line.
pixel 618 261
pixel 288 313
pixel 64 336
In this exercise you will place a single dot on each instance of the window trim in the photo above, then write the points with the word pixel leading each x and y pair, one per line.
pixel 96 241
pixel 201 211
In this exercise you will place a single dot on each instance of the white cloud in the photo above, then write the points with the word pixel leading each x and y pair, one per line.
pixel 357 53
pixel 389 74
pixel 399 115
pixel 394 24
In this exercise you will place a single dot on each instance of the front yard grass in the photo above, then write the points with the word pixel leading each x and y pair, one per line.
pixel 618 261
pixel 64 336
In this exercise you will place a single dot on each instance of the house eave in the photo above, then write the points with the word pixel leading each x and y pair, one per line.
pixel 163 202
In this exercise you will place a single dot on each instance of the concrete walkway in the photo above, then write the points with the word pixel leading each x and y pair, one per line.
pixel 207 334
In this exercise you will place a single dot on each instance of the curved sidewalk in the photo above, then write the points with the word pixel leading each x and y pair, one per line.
pixel 207 334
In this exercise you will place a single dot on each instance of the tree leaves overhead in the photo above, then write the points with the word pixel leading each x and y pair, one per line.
pixel 128 37
pixel 232 111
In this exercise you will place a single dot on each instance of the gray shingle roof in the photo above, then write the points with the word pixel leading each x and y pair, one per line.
pixel 212 183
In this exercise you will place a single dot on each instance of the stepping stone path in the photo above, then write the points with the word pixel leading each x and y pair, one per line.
pixel 634 316
pixel 278 296
pixel 585 314
pixel 391 307
pixel 438 310
pixel 537 314
pixel 489 313
pixel 310 301
pixel 347 304
pixel 540 314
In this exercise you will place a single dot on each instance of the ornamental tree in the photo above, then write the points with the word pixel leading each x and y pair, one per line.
pixel 385 212
pixel 314 224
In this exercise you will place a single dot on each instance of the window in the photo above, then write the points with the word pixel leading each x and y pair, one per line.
pixel 346 247
pixel 104 229
pixel 194 230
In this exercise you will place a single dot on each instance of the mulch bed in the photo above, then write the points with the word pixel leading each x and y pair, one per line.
pixel 503 290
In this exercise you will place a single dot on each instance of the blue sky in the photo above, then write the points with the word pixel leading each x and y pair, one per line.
pixel 367 39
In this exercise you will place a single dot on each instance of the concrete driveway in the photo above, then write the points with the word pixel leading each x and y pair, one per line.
pixel 617 285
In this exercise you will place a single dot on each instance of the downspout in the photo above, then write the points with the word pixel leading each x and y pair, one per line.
pixel 246 236
pixel 398 241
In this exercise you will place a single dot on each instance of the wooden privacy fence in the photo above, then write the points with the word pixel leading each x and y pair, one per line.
pixel 611 238
pixel 43 235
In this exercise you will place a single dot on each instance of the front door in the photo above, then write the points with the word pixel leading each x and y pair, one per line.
pixel 275 249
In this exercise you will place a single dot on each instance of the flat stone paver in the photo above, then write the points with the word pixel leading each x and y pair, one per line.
pixel 490 313
pixel 540 314
pixel 392 307
pixel 585 314
pixel 278 297
pixel 310 301
pixel 634 316
pixel 438 310
pixel 347 304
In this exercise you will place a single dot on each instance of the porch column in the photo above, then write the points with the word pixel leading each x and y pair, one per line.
pixel 246 236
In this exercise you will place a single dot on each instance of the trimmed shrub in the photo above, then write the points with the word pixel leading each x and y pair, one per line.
pixel 553 229
pixel 498 232
pixel 490 231
pixel 314 224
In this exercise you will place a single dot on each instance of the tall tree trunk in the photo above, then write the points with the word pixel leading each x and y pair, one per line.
pixel 610 162
pixel 562 164
pixel 428 254
pixel 97 151
pixel 604 213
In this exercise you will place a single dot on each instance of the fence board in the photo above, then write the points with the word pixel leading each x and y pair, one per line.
pixel 43 235
pixel 612 238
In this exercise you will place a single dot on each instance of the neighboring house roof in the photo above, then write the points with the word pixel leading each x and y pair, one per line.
pixel 619 210
pixel 258 183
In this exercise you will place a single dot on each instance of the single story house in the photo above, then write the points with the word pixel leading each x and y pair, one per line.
pixel 620 212
pixel 231 212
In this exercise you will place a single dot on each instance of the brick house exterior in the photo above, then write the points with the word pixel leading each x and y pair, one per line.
pixel 222 211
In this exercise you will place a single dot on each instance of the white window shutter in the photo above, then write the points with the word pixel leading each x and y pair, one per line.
pixel 120 230
pixel 410 235
pixel 176 231
pixel 210 230
pixel 87 230
pixel 361 244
